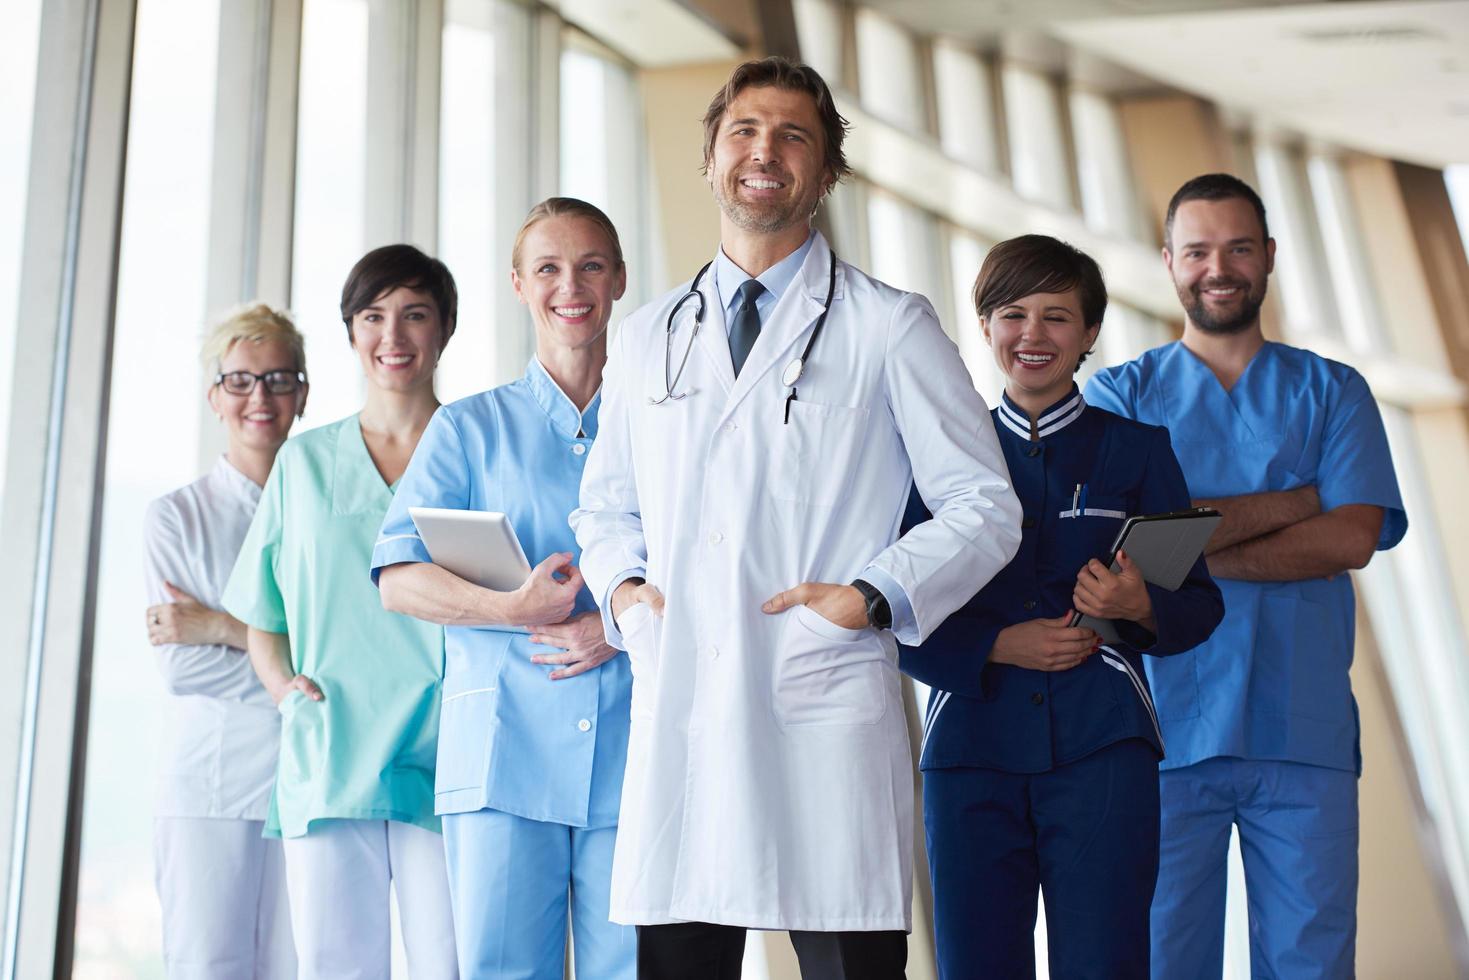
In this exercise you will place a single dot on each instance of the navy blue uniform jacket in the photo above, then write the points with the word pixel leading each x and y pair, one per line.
pixel 997 716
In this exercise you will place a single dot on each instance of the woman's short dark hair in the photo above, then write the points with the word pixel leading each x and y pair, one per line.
pixel 1030 264
pixel 792 76
pixel 385 269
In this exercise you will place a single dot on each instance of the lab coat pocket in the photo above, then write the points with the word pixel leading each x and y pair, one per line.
pixel 816 453
pixel 466 725
pixel 828 675
pixel 642 634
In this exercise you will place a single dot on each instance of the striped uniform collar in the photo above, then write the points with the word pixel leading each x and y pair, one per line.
pixel 1051 421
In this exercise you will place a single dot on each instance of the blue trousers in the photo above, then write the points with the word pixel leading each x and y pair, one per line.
pixel 513 883
pixel 1085 834
pixel 1298 838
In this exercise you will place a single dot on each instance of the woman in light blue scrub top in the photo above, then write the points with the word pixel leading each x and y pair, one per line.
pixel 533 726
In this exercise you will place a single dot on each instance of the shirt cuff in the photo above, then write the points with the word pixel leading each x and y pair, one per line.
pixel 394 549
pixel 609 625
pixel 905 624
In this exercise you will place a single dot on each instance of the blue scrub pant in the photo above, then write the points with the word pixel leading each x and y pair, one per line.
pixel 512 882
pixel 1298 838
pixel 1086 834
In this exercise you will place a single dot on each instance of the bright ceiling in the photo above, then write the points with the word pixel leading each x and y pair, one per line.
pixel 1390 78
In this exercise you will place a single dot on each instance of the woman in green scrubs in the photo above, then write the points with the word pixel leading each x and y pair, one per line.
pixel 357 686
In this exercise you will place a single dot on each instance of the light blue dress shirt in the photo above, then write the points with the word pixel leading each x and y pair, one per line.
pixel 1271 683
pixel 728 278
pixel 510 738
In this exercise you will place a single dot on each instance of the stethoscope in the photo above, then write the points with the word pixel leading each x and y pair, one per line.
pixel 788 377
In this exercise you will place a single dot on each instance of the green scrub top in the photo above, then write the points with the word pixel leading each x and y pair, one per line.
pixel 365 752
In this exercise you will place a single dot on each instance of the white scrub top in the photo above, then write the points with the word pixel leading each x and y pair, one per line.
pixel 222 731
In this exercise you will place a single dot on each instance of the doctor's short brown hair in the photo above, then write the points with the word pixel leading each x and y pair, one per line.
pixel 1031 264
pixel 792 76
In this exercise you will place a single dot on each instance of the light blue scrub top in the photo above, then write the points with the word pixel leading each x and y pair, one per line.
pixel 1271 683
pixel 511 739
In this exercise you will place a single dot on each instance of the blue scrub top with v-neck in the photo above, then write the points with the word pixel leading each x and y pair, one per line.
pixel 510 738
pixel 1271 683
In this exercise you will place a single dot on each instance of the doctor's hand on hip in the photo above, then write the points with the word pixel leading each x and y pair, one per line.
pixel 581 641
pixel 549 592
pixel 633 591
pixel 841 605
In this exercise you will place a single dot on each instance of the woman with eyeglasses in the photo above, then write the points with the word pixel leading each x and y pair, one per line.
pixel 357 686
pixel 221 885
pixel 533 737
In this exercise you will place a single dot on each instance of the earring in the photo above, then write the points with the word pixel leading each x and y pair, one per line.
pixel 219 416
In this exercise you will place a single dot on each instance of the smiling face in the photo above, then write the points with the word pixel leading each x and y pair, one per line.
pixel 768 168
pixel 1220 263
pixel 398 338
pixel 1038 341
pixel 569 278
pixel 259 421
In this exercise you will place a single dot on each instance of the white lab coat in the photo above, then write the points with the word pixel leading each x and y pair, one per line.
pixel 769 782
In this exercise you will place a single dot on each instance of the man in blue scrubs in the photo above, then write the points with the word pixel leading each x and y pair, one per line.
pixel 1259 721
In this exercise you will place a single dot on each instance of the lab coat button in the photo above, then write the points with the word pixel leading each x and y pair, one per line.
pixel 1037 698
pixel 714 653
pixel 1034 451
pixel 1029 522
pixel 730 427
pixel 578 448
pixel 715 537
pixel 1029 603
pixel 586 726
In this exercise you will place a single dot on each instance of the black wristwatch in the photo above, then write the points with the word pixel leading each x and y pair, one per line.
pixel 879 613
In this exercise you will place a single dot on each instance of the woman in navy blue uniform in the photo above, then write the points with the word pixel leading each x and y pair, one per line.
pixel 1041 744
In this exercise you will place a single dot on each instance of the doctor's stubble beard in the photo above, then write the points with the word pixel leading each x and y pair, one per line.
pixel 767 219
pixel 1249 311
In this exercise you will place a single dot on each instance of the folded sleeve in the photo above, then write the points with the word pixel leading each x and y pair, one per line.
pixel 1356 462
pixel 958 470
pixel 212 670
pixel 438 475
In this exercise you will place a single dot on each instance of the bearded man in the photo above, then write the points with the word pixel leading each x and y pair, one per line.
pixel 739 523
pixel 1259 721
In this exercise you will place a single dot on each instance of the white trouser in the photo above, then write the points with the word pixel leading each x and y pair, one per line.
pixel 223 891
pixel 339 875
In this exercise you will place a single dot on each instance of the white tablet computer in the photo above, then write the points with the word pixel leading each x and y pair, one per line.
pixel 478 546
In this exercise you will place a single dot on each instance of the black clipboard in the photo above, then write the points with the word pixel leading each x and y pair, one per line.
pixel 1164 547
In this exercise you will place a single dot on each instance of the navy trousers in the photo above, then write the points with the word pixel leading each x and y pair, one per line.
pixel 1084 834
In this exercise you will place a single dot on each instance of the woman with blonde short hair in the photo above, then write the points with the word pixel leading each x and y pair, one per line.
pixel 533 734
pixel 221 884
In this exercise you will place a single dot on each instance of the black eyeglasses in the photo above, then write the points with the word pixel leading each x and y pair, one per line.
pixel 276 382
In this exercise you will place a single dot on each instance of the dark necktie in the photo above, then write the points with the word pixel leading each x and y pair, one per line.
pixel 745 325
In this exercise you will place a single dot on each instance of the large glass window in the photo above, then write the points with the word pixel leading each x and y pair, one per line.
pixel 153 432
pixel 890 71
pixel 467 222
pixel 330 196
pixel 602 153
pixel 17 109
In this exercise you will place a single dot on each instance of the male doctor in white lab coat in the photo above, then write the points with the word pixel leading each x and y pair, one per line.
pixel 739 526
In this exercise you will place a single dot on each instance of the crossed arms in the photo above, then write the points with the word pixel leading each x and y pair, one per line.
pixel 1283 536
